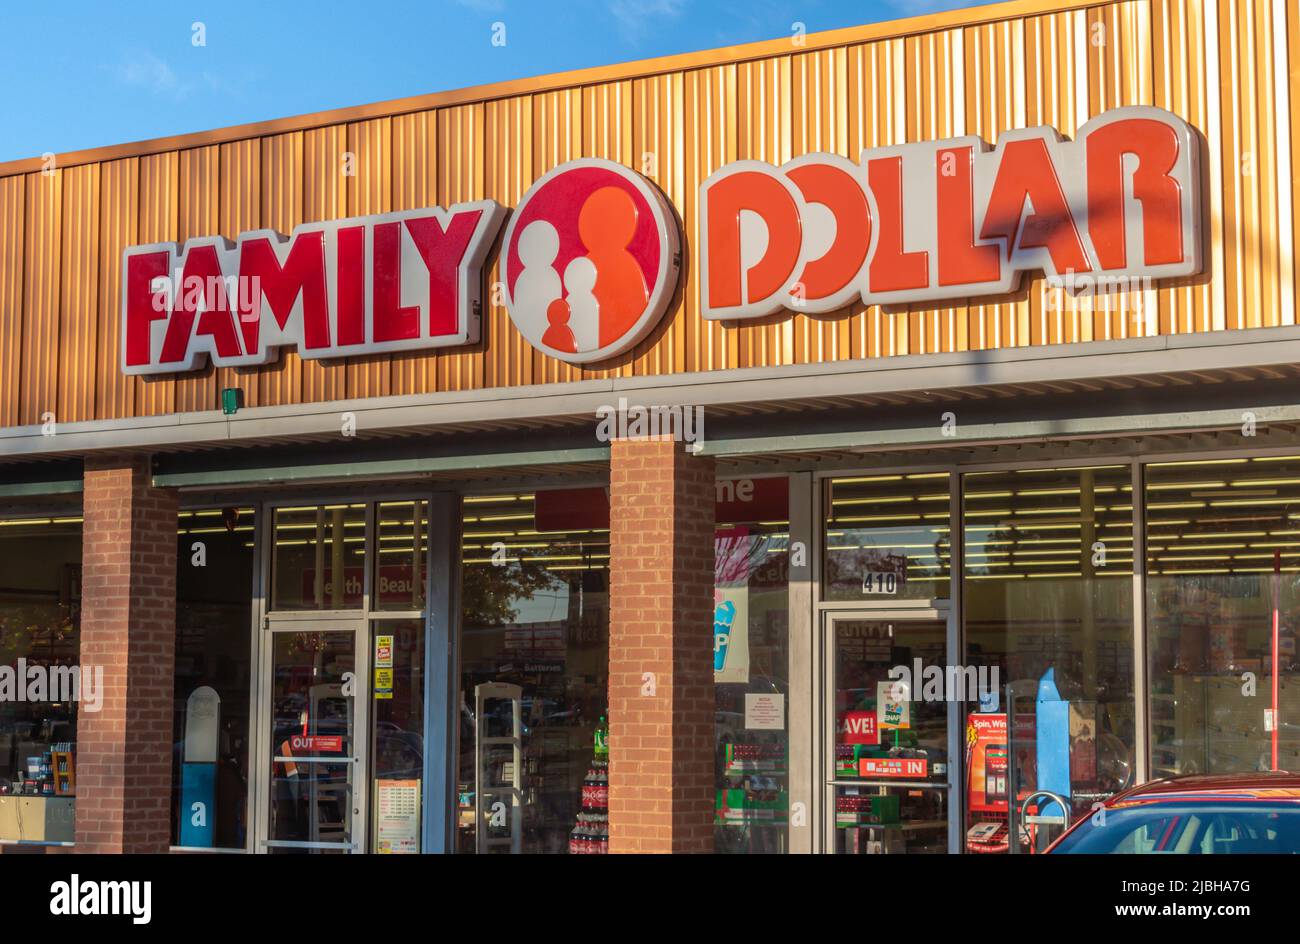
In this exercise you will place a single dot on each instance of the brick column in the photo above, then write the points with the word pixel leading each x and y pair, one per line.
pixel 128 626
pixel 661 790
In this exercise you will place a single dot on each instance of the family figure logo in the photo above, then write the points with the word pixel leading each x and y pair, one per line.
pixel 591 260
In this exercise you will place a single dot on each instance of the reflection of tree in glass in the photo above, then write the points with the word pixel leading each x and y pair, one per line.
pixel 489 593
pixel 307 642
pixel 941 548
pixel 26 628
pixel 738 556
pixel 991 540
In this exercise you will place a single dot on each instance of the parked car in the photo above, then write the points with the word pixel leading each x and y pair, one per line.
pixel 1227 814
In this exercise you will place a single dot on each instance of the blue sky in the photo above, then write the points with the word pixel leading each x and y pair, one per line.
pixel 83 74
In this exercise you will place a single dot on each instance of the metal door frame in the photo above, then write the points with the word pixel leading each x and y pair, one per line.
pixel 324 622
pixel 927 610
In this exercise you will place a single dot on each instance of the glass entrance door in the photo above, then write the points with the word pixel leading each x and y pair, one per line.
pixel 889 732
pixel 313 704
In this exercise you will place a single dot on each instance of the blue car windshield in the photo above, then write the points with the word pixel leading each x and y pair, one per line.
pixel 1189 828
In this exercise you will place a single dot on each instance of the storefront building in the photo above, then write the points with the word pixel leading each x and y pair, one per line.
pixel 376 471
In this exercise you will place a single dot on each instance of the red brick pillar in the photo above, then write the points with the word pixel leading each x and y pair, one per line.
pixel 660 648
pixel 128 626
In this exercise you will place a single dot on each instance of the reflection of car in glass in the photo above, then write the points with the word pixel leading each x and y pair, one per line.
pixel 289 709
pixel 399 754
pixel 535 711
pixel 1230 814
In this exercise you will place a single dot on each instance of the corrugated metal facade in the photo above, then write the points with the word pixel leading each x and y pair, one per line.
pixel 1220 64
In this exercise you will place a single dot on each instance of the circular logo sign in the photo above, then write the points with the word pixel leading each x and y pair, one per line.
pixel 591 260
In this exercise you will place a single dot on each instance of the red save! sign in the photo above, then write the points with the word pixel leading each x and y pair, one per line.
pixel 859 727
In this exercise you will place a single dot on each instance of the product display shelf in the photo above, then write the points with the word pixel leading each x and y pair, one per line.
pixel 753 790
pixel 63 772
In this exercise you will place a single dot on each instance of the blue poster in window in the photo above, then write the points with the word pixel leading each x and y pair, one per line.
pixel 198 791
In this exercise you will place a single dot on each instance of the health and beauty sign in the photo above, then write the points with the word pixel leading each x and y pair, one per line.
pixel 591 257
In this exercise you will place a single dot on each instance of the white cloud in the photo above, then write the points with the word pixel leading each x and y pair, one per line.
pixel 142 69
pixel 635 18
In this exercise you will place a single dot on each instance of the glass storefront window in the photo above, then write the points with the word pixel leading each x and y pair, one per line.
pixel 1223 569
pixel 534 653
pixel 397 735
pixel 214 599
pixel 319 557
pixel 40 616
pixel 751 665
pixel 1048 603
pixel 887 537
pixel 402 546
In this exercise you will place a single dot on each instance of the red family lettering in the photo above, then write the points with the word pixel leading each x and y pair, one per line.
pixel 391 282
pixel 950 219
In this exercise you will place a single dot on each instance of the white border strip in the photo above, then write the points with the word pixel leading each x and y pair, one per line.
pixel 1282 130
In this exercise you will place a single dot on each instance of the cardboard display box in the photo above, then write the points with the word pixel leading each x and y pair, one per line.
pixel 37 818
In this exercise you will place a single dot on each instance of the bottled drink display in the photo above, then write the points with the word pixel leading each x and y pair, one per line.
pixel 590 835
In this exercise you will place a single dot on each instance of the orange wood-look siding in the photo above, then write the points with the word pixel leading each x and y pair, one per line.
pixel 1218 63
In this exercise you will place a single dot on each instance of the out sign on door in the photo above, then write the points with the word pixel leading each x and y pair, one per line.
pixel 316 744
